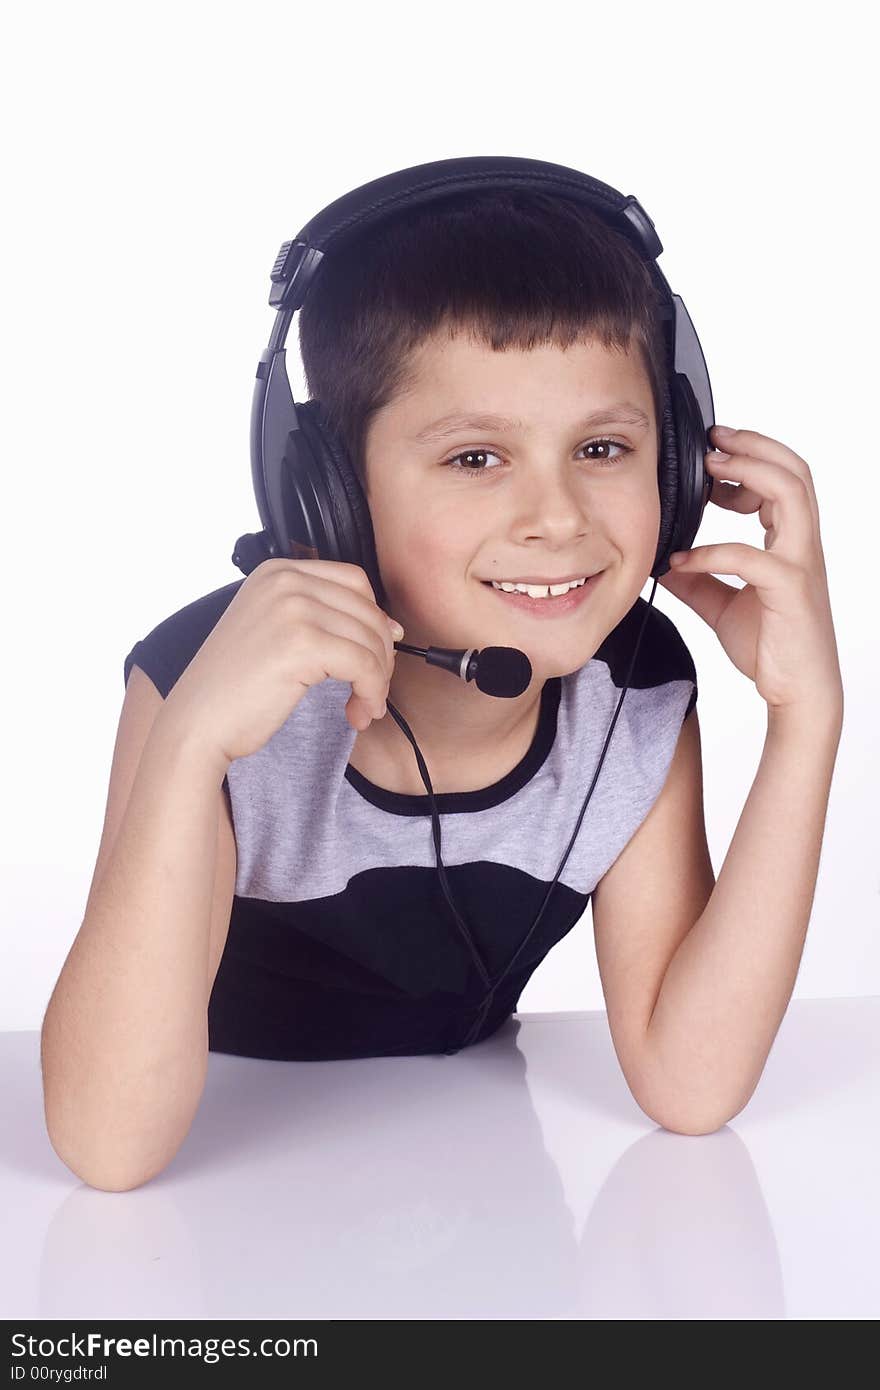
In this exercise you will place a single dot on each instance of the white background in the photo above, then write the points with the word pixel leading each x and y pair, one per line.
pixel 155 161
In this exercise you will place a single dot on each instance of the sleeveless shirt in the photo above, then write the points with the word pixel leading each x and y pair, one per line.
pixel 341 942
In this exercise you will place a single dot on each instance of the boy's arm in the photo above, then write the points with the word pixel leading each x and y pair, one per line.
pixel 728 985
pixel 697 1057
pixel 124 1040
pixel 697 1053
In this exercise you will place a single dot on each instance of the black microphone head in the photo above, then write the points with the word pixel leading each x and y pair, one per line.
pixel 504 671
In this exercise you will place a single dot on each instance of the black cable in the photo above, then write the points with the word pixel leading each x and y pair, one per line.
pixel 441 868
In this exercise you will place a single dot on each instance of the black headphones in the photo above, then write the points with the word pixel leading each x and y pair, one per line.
pixel 309 497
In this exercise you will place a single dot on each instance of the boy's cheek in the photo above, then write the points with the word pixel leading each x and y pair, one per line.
pixel 631 549
pixel 422 573
pixel 421 553
pixel 637 539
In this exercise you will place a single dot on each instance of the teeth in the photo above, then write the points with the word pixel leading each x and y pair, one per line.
pixel 538 590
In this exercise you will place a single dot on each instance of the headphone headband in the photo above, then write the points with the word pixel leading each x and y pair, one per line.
pixel 364 207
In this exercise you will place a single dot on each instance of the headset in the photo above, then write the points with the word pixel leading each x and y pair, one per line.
pixel 309 496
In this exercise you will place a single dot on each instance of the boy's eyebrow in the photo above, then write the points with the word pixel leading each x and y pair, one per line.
pixel 621 413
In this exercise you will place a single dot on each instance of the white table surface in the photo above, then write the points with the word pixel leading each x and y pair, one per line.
pixel 516 1179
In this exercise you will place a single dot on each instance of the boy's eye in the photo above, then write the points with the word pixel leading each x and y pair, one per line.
pixel 469 455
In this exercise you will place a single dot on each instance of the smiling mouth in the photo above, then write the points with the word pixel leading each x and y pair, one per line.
pixel 550 605
pixel 490 584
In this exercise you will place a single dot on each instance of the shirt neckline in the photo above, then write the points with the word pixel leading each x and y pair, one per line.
pixel 483 798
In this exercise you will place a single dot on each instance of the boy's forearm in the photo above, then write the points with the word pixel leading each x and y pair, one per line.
pixel 124 1038
pixel 729 983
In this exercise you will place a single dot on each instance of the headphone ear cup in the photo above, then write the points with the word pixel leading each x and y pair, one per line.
pixel 695 483
pixel 668 473
pixel 350 512
pixel 685 486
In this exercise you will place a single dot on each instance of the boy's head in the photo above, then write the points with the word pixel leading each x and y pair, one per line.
pixel 520 306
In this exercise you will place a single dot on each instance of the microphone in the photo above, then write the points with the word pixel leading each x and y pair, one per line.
pixel 502 671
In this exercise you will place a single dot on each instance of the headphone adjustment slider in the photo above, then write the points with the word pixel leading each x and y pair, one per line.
pixel 292 273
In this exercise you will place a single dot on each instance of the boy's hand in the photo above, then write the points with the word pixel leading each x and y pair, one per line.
pixel 778 630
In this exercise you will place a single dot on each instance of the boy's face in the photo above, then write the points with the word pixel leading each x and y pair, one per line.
pixel 543 504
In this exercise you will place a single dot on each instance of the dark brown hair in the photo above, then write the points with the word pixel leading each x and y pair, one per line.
pixel 514 269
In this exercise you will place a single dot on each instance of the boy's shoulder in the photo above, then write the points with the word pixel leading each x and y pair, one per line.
pixel 170 646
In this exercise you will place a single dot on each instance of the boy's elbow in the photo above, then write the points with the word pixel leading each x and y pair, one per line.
pixel 679 1120
pixel 105 1179
pixel 688 1126
pixel 103 1174
pixel 680 1113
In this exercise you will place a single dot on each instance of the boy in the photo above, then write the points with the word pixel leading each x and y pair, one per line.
pixel 298 914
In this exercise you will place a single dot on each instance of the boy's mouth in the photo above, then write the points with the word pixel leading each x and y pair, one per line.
pixel 552 605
